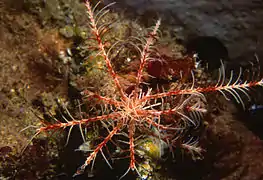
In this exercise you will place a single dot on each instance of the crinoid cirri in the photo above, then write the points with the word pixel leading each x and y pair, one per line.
pixel 167 116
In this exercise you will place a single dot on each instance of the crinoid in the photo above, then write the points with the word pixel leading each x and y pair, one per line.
pixel 129 118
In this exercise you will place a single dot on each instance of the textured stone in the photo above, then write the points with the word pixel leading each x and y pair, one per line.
pixel 237 23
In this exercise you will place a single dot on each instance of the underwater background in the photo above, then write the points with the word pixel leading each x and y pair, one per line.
pixel 43 44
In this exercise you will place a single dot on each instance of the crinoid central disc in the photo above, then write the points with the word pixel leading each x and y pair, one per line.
pixel 131 107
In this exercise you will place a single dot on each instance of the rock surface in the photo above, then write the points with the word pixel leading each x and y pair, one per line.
pixel 237 23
